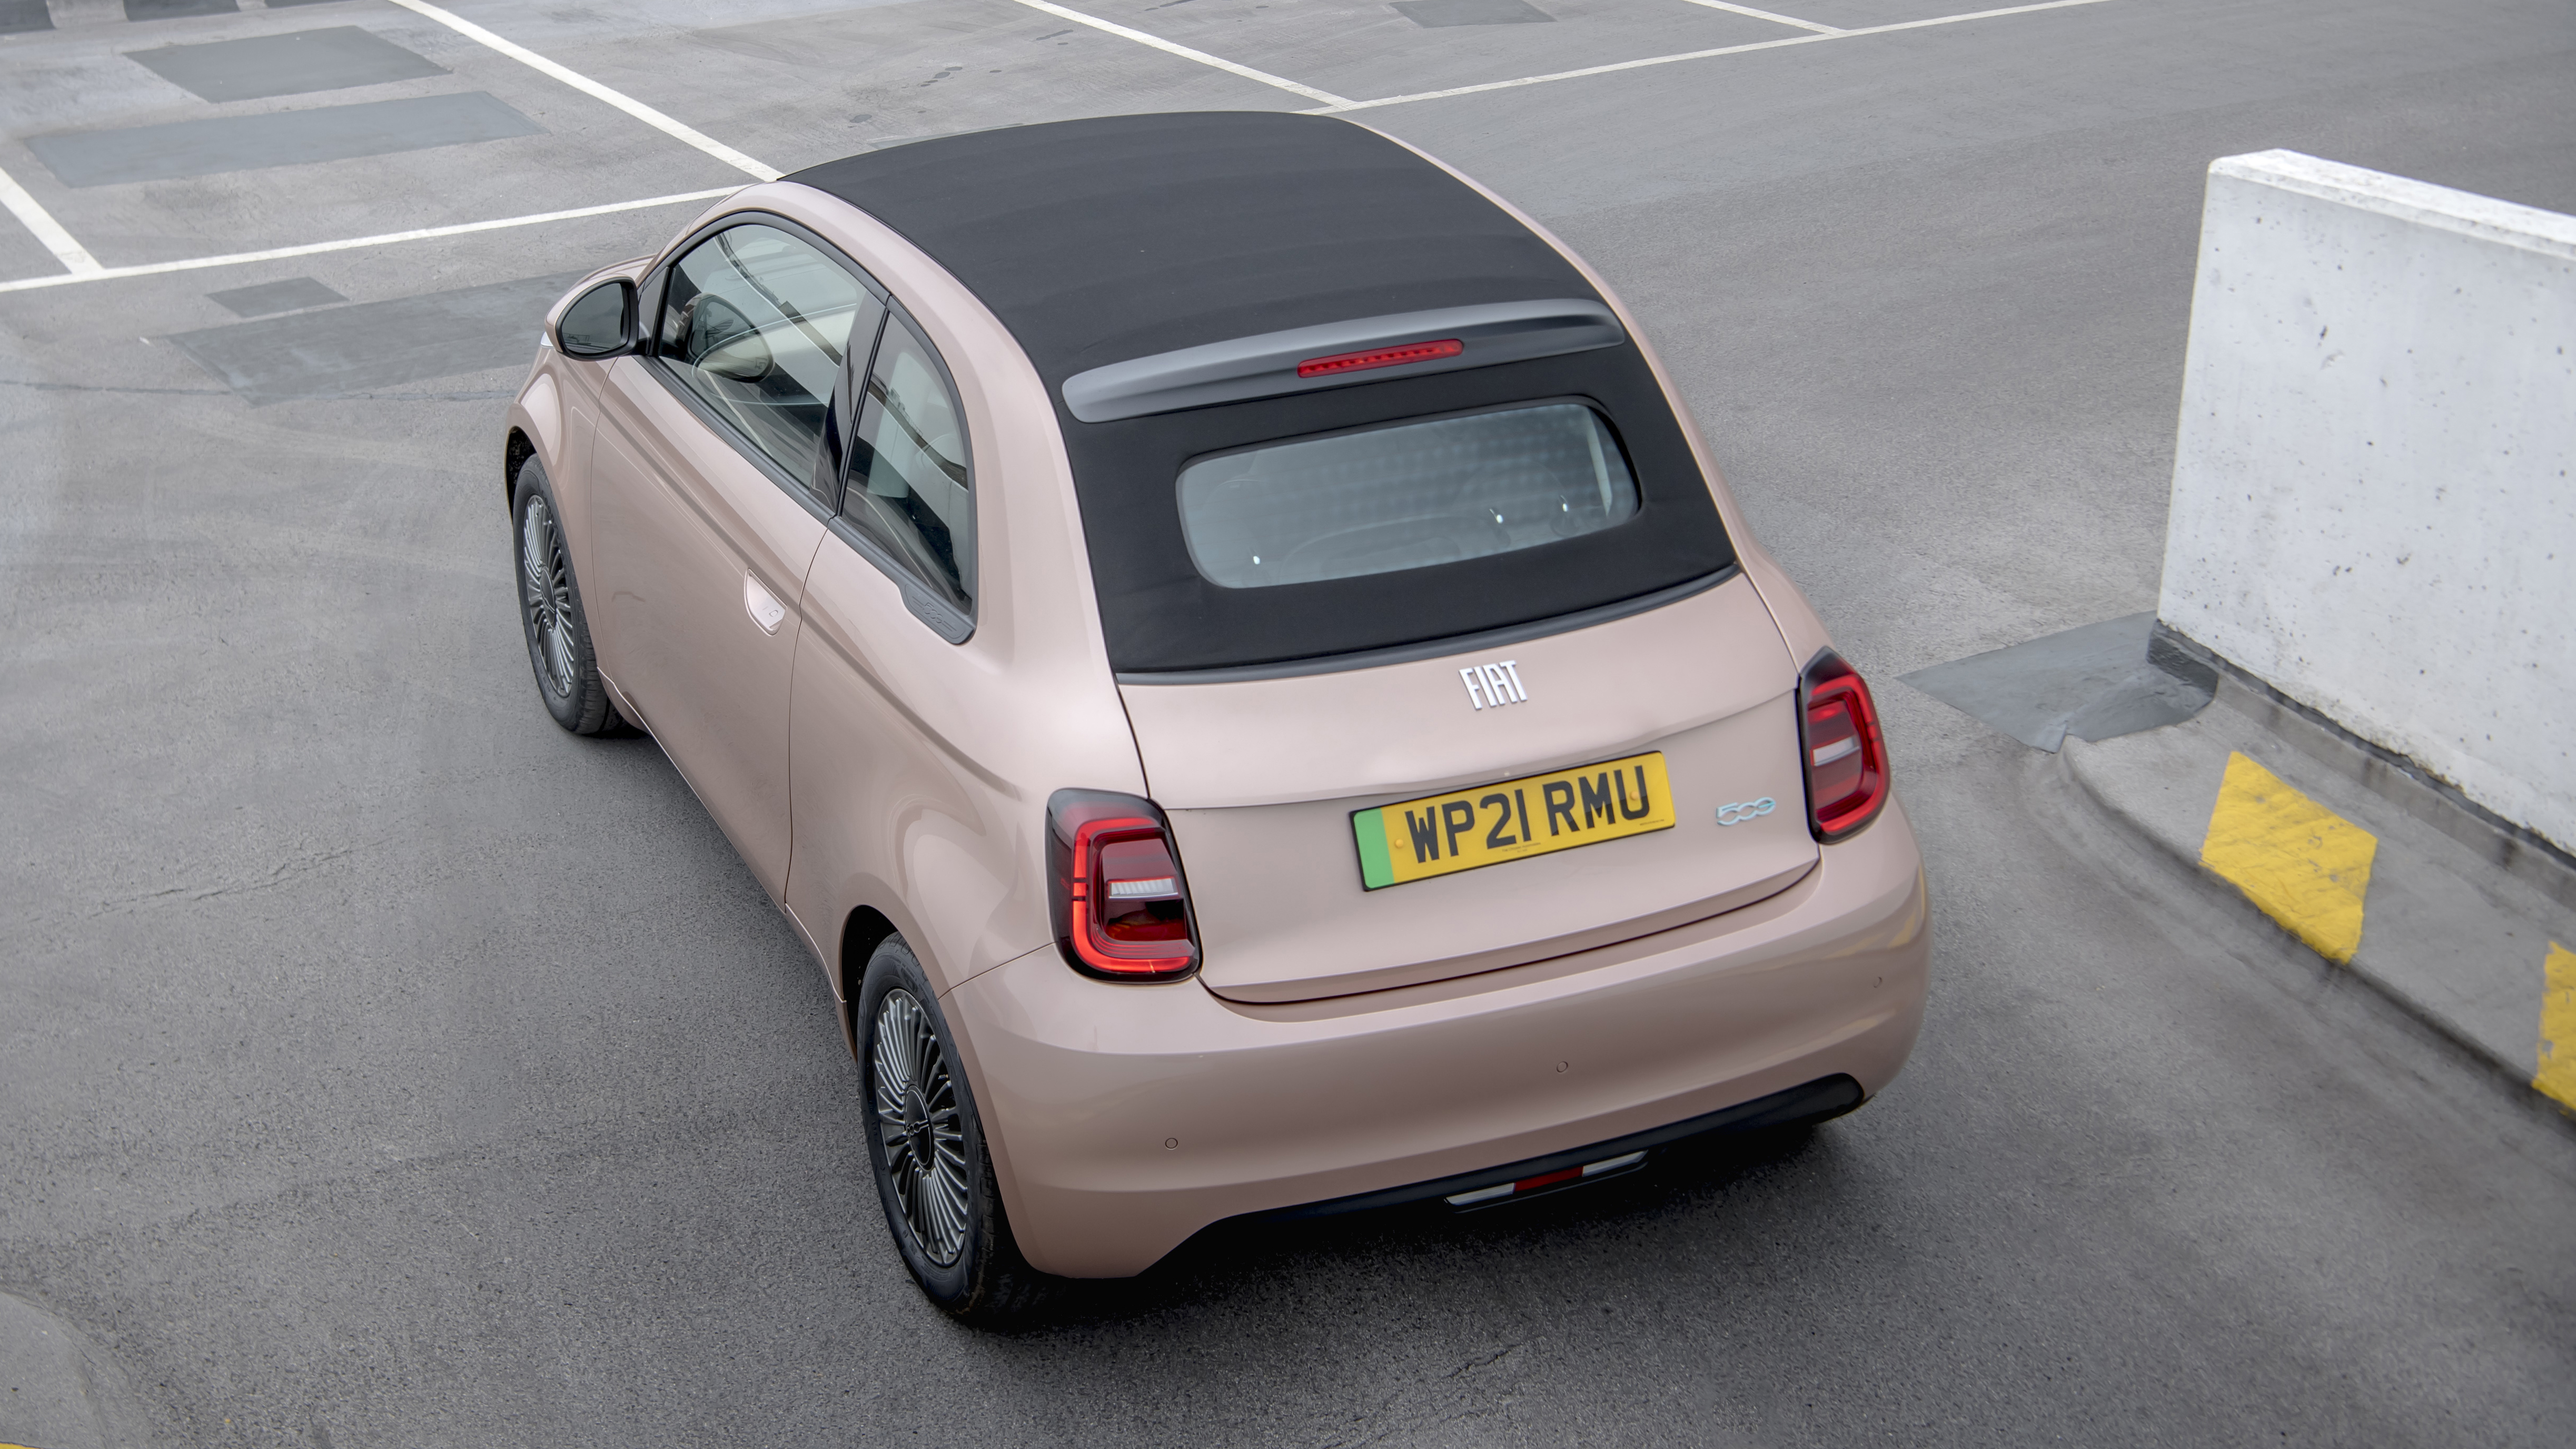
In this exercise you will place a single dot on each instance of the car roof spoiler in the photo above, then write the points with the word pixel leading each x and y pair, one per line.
pixel 1340 354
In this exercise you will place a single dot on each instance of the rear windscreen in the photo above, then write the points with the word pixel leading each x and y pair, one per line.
pixel 1382 500
pixel 1294 532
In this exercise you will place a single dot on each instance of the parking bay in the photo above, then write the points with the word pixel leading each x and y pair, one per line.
pixel 381 1058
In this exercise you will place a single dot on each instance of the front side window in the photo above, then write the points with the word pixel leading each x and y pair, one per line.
pixel 909 486
pixel 1390 499
pixel 755 323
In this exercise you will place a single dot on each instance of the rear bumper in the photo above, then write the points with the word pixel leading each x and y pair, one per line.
pixel 1125 1118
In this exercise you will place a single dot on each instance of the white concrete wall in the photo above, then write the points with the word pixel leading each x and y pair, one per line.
pixel 2373 507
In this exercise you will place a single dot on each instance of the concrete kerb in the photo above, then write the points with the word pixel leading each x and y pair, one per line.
pixel 2461 914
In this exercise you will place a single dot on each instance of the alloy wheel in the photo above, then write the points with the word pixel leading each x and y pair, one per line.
pixel 919 1126
pixel 545 592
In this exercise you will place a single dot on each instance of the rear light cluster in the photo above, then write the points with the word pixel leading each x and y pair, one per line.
pixel 1846 759
pixel 1121 908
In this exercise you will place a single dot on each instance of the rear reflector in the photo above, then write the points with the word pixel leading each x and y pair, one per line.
pixel 1341 362
pixel 1846 758
pixel 1544 1180
pixel 1121 908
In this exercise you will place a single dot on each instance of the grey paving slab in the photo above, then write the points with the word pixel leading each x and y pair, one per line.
pixel 1365 49
pixel 220 144
pixel 258 66
pixel 289 295
pixel 177 9
pixel 17 17
pixel 373 345
pixel 1433 14
pixel 2094 681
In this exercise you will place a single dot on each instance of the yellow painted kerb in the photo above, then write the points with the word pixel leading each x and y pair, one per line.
pixel 2307 867
pixel 2557 1075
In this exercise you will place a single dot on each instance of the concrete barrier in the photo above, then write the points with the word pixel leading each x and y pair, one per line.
pixel 2373 508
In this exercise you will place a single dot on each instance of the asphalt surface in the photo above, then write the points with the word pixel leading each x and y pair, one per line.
pixel 381 1066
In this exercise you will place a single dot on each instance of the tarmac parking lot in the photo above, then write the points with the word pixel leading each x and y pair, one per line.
pixel 381 1065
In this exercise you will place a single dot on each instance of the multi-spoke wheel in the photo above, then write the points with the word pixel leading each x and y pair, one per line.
pixel 934 1173
pixel 917 1126
pixel 545 592
pixel 550 611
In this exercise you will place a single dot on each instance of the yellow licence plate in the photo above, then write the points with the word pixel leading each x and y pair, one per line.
pixel 1533 815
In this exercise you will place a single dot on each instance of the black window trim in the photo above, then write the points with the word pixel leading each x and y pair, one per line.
pixel 1423 649
pixel 923 601
pixel 940 616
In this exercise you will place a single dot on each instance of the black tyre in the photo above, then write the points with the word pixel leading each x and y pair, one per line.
pixel 550 613
pixel 934 1173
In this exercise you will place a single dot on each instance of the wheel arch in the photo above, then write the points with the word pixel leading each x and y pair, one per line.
pixel 515 450
pixel 861 933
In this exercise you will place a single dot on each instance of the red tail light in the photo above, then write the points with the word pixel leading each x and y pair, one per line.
pixel 1380 357
pixel 1846 759
pixel 1122 909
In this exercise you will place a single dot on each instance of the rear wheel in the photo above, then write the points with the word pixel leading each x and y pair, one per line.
pixel 550 613
pixel 934 1173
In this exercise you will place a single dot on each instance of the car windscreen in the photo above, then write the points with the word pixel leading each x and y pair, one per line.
pixel 1405 496
pixel 1293 531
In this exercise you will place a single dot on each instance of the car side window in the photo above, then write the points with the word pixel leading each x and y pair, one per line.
pixel 910 489
pixel 756 323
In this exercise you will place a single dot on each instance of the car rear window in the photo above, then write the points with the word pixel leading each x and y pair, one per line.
pixel 1370 494
pixel 1386 499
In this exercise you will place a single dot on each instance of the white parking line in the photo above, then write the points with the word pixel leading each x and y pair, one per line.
pixel 619 99
pixel 1330 100
pixel 36 219
pixel 1767 15
pixel 85 268
pixel 1653 60
pixel 97 273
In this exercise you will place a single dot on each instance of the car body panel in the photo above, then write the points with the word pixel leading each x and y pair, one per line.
pixel 1135 1117
pixel 921 768
pixel 683 529
pixel 1260 778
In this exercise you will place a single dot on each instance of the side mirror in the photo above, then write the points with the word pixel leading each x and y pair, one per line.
pixel 599 323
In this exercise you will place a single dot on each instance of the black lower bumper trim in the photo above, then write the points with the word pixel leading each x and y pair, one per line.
pixel 1810 1102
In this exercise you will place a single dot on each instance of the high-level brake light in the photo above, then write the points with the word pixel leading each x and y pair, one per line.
pixel 1121 908
pixel 1380 357
pixel 1846 760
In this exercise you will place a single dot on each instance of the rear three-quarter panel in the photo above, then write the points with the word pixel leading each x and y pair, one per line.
pixel 921 768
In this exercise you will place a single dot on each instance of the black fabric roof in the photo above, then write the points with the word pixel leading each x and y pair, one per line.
pixel 1096 241
pixel 1101 241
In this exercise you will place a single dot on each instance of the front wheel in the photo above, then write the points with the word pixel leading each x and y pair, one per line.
pixel 934 1174
pixel 550 613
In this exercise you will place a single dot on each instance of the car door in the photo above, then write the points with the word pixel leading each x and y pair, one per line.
pixel 881 794
pixel 716 463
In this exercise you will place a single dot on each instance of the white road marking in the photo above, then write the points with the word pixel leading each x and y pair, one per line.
pixel 1331 101
pixel 85 268
pixel 36 219
pixel 587 86
pixel 1653 60
pixel 1767 15
pixel 98 273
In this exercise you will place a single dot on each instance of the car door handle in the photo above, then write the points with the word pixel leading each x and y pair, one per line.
pixel 762 605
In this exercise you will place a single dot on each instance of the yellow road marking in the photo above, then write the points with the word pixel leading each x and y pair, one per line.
pixel 2557 1074
pixel 2305 866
